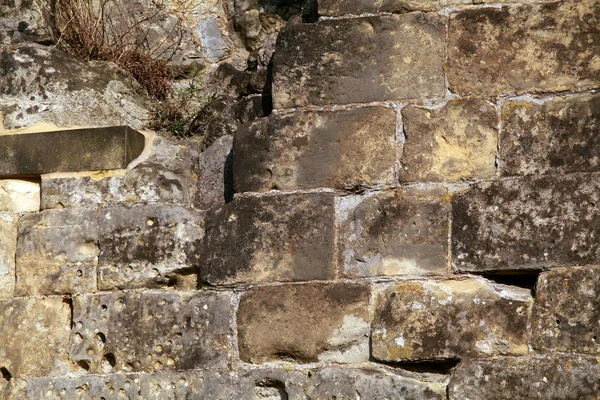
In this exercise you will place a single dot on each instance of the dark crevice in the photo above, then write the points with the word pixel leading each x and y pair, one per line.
pixel 69 302
pixel 228 191
pixel 441 367
pixel 523 279
pixel 5 374
pixel 274 384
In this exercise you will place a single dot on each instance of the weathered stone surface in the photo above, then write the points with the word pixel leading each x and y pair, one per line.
pixel 449 319
pixel 568 377
pixel 539 47
pixel 57 252
pixel 393 233
pixel 21 21
pixel 304 323
pixel 115 386
pixel 566 312
pixel 554 136
pixel 270 238
pixel 128 331
pixel 311 149
pixel 8 250
pixel 527 224
pixel 35 334
pixel 215 178
pixel 456 141
pixel 149 246
pixel 19 196
pixel 359 60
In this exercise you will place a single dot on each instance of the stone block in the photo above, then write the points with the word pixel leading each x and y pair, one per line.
pixel 456 141
pixel 115 386
pixel 19 196
pixel 57 252
pixel 35 335
pixel 533 378
pixel 550 137
pixel 304 323
pixel 426 320
pixel 393 233
pixel 8 250
pixel 149 246
pixel 342 149
pixel 135 332
pixel 524 48
pixel 360 60
pixel 270 238
pixel 567 310
pixel 527 224
pixel 215 178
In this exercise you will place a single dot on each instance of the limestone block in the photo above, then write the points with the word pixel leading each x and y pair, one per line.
pixel 515 49
pixel 112 386
pixel 393 233
pixel 426 320
pixel 456 141
pixel 549 137
pixel 19 196
pixel 360 60
pixel 130 331
pixel 215 178
pixel 8 250
pixel 566 311
pixel 304 323
pixel 529 224
pixel 35 335
pixel 149 246
pixel 341 149
pixel 57 252
pixel 532 378
pixel 270 238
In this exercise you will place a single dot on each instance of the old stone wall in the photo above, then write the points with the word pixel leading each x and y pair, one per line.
pixel 417 218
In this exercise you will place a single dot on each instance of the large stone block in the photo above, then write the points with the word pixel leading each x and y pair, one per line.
pixel 129 331
pixel 8 250
pixel 19 196
pixel 567 310
pixel 394 233
pixel 553 136
pixel 449 319
pixel 527 224
pixel 516 49
pixel 149 246
pixel 304 323
pixel 35 335
pixel 569 377
pixel 360 60
pixel 270 238
pixel 57 252
pixel 311 149
pixel 456 141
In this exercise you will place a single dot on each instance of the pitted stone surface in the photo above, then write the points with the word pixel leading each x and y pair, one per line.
pixel 35 335
pixel 456 141
pixel 19 196
pixel 270 238
pixel 8 250
pixel 304 150
pixel 555 137
pixel 304 323
pixel 393 233
pixel 566 314
pixel 57 252
pixel 359 60
pixel 215 178
pixel 425 320
pixel 115 386
pixel 151 331
pixel 527 224
pixel 568 377
pixel 520 48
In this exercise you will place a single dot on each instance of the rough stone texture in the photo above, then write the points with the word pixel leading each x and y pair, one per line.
pixel 115 386
pixel 303 150
pixel 304 323
pixel 215 179
pixel 393 233
pixel 527 224
pixel 129 331
pixel 449 319
pixel 270 238
pixel 540 47
pixel 35 334
pixel 8 250
pixel 20 21
pixel 149 246
pixel 568 377
pixel 359 60
pixel 19 196
pixel 565 317
pixel 553 136
pixel 57 252
pixel 456 141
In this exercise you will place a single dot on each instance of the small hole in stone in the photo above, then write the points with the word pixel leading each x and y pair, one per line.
pixel 594 338
pixel 79 273
pixel 84 364
pixel 5 374
pixel 100 337
pixel 110 359
pixel 558 322
pixel 104 307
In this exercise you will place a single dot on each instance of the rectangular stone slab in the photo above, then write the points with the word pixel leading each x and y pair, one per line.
pixel 74 150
